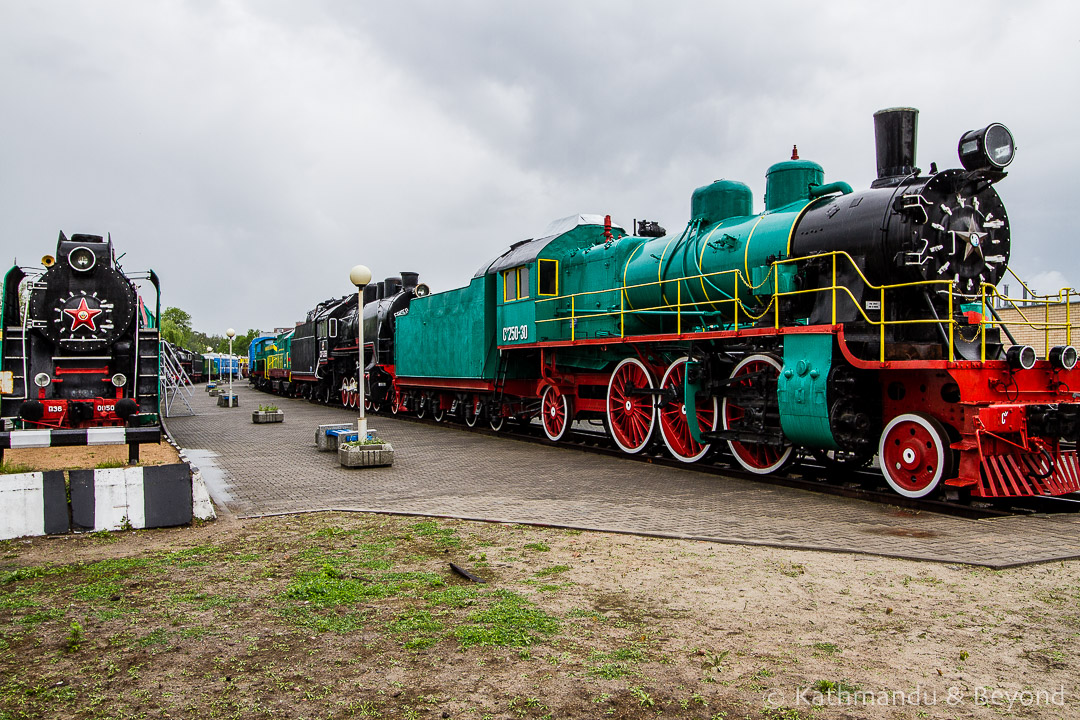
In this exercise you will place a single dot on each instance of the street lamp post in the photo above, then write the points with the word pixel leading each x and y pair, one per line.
pixel 231 333
pixel 210 366
pixel 360 276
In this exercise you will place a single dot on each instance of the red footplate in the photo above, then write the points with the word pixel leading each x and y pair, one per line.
pixel 1017 474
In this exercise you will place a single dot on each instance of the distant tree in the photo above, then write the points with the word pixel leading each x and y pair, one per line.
pixel 175 326
pixel 199 341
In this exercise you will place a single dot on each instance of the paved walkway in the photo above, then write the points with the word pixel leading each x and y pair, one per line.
pixel 444 470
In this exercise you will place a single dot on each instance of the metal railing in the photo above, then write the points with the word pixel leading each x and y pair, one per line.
pixel 735 311
pixel 1026 309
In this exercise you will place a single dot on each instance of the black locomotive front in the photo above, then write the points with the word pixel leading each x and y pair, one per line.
pixel 922 237
pixel 71 342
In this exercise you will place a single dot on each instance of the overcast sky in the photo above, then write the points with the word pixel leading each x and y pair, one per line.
pixel 252 152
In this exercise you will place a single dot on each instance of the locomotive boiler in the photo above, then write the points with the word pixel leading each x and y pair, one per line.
pixel 80 349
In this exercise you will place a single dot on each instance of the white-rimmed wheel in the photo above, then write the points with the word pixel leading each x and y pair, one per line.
pixel 674 425
pixel 556 413
pixel 914 454
pixel 751 400
pixel 630 413
pixel 422 403
pixel 438 412
pixel 472 412
pixel 345 392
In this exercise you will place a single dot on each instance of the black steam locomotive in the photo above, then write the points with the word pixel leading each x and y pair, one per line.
pixel 80 349
pixel 317 359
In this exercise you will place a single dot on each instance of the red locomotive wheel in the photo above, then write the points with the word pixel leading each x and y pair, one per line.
pixel 914 454
pixel 673 423
pixel 754 372
pixel 555 413
pixel 630 414
pixel 345 393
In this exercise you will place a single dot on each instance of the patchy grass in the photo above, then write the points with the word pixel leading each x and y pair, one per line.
pixel 508 619
pixel 338 616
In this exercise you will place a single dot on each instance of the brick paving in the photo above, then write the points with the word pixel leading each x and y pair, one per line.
pixel 446 471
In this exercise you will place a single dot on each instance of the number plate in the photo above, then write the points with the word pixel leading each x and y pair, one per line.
pixel 515 333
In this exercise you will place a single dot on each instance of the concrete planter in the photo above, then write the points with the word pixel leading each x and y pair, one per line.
pixel 366 455
pixel 227 400
pixel 261 416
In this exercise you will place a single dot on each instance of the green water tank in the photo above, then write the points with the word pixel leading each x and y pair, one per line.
pixel 721 200
pixel 790 181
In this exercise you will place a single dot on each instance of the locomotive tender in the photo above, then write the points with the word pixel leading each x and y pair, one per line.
pixel 836 322
pixel 80 351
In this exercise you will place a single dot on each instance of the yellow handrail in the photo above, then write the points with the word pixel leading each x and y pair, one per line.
pixel 1026 320
pixel 988 297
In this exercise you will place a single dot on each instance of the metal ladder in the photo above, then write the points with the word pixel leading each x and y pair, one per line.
pixel 175 382
pixel 15 362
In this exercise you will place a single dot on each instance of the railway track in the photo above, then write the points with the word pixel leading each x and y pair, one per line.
pixel 805 474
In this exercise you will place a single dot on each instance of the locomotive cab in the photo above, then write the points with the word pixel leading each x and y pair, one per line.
pixel 535 277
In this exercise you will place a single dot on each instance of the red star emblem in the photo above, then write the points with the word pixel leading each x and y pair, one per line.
pixel 82 315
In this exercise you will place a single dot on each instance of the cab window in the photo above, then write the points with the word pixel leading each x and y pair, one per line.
pixel 547 280
pixel 516 283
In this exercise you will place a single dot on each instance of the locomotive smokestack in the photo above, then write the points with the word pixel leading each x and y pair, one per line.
pixel 409 280
pixel 894 136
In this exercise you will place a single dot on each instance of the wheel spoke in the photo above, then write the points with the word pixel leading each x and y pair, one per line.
pixel 630 414
pixel 673 421
pixel 555 413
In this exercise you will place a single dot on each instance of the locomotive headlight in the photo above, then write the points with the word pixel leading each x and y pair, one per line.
pixel 42 380
pixel 1021 357
pixel 992 147
pixel 1063 356
pixel 81 259
pixel 119 380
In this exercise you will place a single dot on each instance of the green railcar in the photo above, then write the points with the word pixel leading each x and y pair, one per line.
pixel 272 362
